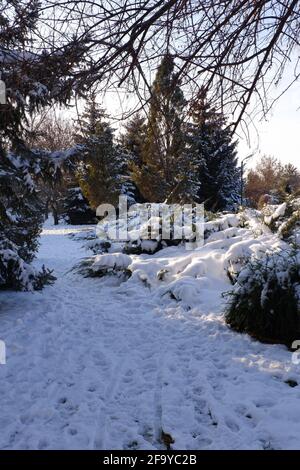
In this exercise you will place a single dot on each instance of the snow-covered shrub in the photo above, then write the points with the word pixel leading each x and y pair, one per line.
pixel 186 290
pixel 220 223
pixel 273 214
pixel 86 234
pixel 108 264
pixel 145 230
pixel 289 227
pixel 16 273
pixel 143 246
pixel 265 301
pixel 98 246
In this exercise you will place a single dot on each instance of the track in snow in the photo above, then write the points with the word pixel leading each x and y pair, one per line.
pixel 93 365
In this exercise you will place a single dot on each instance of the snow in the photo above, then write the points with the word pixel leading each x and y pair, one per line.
pixel 278 212
pixel 103 364
pixel 111 260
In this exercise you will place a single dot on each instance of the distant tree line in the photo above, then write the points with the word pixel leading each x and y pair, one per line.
pixel 270 181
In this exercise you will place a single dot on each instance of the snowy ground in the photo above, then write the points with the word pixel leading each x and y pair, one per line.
pixel 96 365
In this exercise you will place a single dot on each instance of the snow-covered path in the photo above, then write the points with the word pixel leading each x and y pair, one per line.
pixel 94 365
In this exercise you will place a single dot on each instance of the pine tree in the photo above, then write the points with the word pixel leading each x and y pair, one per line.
pixel 164 144
pixel 103 174
pixel 214 155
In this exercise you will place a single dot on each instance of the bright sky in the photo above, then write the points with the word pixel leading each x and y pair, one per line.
pixel 279 136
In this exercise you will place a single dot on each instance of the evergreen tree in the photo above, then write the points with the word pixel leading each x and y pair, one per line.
pixel 132 140
pixel 32 80
pixel 76 209
pixel 161 169
pixel 20 225
pixel 290 178
pixel 214 154
pixel 103 175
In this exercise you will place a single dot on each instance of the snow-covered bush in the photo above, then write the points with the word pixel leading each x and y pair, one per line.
pixel 186 290
pixel 98 246
pixel 265 301
pixel 284 219
pixel 16 273
pixel 138 247
pixel 108 264
pixel 145 229
pixel 220 223
pixel 83 235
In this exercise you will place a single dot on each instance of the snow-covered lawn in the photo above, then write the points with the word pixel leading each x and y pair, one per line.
pixel 99 364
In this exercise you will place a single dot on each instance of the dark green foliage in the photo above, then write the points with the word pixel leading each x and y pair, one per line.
pixel 103 175
pixel 214 155
pixel 132 141
pixel 265 300
pixel 20 212
pixel 286 222
pixel 20 225
pixel 76 210
pixel 33 80
pixel 160 171
pixel 133 138
pixel 179 161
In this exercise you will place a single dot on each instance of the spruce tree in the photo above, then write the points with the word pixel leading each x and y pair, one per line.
pixel 76 209
pixel 33 80
pixel 161 169
pixel 132 141
pixel 20 225
pixel 103 174
pixel 214 154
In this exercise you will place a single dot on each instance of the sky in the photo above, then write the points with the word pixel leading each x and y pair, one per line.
pixel 279 135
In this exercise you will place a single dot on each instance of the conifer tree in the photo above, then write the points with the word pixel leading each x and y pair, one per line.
pixel 103 175
pixel 33 80
pixel 132 140
pixel 164 144
pixel 75 208
pixel 215 157
pixel 290 178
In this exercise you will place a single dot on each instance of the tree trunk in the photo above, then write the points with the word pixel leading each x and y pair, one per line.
pixel 46 213
pixel 55 214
